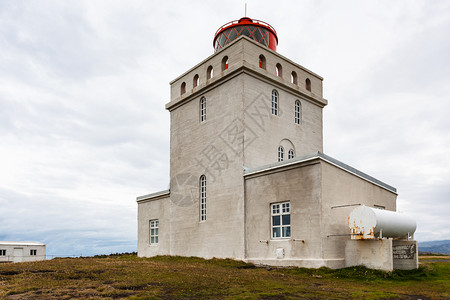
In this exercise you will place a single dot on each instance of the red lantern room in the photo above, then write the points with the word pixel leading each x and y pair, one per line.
pixel 257 30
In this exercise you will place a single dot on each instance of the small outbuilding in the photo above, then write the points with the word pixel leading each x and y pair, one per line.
pixel 21 251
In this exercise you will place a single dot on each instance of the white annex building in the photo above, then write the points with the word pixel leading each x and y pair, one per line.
pixel 249 179
pixel 21 251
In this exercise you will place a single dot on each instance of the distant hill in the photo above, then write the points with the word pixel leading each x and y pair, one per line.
pixel 442 247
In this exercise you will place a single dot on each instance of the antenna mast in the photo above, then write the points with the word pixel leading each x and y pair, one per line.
pixel 246 9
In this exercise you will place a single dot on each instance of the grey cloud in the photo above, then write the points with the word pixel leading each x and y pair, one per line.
pixel 83 86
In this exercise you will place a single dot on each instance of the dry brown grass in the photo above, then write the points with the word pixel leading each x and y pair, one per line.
pixel 194 278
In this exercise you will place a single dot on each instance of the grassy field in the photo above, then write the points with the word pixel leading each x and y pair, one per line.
pixel 127 276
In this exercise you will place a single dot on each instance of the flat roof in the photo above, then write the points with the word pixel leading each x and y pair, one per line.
pixel 8 243
pixel 153 195
pixel 322 156
pixel 294 161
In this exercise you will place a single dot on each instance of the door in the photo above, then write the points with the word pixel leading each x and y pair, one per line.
pixel 18 255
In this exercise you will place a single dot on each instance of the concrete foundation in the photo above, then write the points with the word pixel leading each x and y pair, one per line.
pixel 374 254
pixel 382 254
pixel 405 254
pixel 301 263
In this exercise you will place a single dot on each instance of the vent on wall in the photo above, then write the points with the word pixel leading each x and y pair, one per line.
pixel 280 253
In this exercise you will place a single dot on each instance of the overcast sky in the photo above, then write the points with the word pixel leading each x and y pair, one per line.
pixel 83 84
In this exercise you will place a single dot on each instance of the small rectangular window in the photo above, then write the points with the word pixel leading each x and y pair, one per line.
pixel 33 252
pixel 2 252
pixel 154 224
pixel 281 220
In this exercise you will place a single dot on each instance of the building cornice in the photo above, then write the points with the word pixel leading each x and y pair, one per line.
pixel 282 85
pixel 241 38
pixel 246 68
pixel 204 88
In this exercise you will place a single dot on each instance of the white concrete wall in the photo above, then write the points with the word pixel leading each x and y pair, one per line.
pixel 253 50
pixel 212 148
pixel 22 253
pixel 157 209
pixel 319 231
pixel 228 140
pixel 342 188
pixel 302 187
pixel 267 131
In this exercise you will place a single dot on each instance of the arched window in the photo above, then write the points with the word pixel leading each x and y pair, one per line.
pixel 275 102
pixel 285 144
pixel 183 88
pixel 279 70
pixel 202 198
pixel 225 63
pixel 308 84
pixel 262 62
pixel 280 153
pixel 298 112
pixel 196 81
pixel 294 77
pixel 209 73
pixel 202 109
pixel 291 153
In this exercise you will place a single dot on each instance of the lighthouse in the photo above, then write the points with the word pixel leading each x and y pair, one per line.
pixel 248 176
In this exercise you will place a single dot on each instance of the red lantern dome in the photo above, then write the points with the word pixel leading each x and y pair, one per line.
pixel 257 30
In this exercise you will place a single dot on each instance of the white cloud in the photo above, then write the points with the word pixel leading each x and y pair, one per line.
pixel 83 86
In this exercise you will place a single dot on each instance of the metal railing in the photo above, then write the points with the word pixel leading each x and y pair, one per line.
pixel 256 22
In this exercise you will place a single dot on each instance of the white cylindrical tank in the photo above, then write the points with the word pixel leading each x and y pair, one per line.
pixel 368 223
